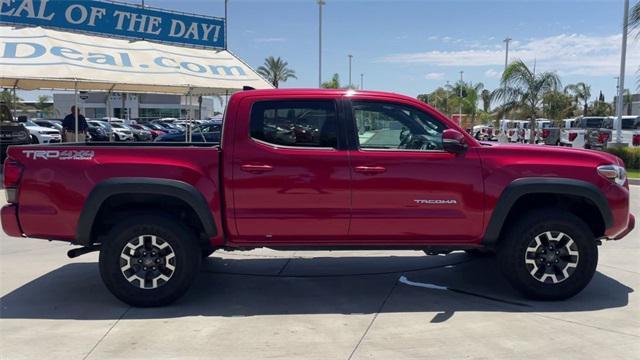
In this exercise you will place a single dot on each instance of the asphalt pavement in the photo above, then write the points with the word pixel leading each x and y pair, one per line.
pixel 317 305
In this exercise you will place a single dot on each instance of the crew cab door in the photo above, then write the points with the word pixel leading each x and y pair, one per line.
pixel 291 176
pixel 405 187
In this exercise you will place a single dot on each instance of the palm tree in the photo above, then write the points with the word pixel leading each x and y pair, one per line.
pixel 334 83
pixel 276 70
pixel 580 92
pixel 523 89
pixel 486 100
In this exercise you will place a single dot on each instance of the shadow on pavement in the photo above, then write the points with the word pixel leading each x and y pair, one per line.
pixel 252 286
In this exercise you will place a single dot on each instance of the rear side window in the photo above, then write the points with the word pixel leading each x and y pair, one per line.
pixel 295 123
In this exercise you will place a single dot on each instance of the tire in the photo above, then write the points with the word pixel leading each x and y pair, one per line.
pixel 164 282
pixel 548 254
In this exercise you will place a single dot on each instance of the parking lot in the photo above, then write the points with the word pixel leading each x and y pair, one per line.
pixel 317 305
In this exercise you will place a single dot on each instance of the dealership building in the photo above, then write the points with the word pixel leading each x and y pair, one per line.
pixel 136 106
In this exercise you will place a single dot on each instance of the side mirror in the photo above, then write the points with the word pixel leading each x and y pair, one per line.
pixel 22 118
pixel 453 141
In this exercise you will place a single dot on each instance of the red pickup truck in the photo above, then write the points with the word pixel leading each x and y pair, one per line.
pixel 320 169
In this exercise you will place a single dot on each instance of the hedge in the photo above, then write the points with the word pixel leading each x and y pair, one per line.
pixel 630 156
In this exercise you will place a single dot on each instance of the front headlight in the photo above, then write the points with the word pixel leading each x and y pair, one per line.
pixel 614 173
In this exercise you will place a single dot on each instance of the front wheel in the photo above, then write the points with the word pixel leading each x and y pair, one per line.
pixel 548 255
pixel 149 260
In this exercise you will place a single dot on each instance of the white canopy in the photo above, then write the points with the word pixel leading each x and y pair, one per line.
pixel 38 58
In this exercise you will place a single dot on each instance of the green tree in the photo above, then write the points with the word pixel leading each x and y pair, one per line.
pixel 557 105
pixel 334 83
pixel 440 98
pixel 581 92
pixel 524 89
pixel 276 71
pixel 43 104
pixel 7 98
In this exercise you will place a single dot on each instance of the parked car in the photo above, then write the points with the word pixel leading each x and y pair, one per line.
pixel 11 132
pixel 41 134
pixel 122 132
pixel 166 127
pixel 97 133
pixel 204 133
pixel 49 123
pixel 630 130
pixel 108 129
pixel 581 134
pixel 153 132
pixel 118 131
pixel 138 133
pixel 483 133
pixel 417 182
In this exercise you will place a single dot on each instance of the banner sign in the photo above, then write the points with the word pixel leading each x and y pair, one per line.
pixel 117 19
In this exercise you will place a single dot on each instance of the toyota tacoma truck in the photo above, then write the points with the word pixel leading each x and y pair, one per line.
pixel 320 169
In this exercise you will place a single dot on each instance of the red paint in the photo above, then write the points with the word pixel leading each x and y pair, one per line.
pixel 636 139
pixel 572 136
pixel 292 196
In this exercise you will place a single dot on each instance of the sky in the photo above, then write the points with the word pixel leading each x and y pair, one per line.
pixel 413 47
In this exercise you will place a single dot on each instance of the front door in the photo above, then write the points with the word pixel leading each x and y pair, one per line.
pixel 291 180
pixel 406 188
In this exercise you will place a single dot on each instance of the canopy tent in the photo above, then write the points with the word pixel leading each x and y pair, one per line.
pixel 38 58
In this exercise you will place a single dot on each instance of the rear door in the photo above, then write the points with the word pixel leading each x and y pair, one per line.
pixel 406 188
pixel 291 176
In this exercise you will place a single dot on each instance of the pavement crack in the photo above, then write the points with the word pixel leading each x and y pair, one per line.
pixel 106 333
pixel 373 319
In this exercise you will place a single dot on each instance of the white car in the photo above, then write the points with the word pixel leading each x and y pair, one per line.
pixel 630 132
pixel 122 132
pixel 41 134
pixel 576 135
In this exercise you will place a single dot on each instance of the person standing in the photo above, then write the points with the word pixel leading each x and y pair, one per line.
pixel 69 126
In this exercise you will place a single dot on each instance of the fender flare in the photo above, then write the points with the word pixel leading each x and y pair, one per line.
pixel 141 185
pixel 538 185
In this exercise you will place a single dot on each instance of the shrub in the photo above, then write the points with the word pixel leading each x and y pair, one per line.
pixel 630 156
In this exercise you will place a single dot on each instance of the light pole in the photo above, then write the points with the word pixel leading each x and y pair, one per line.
pixel 507 40
pixel 361 81
pixel 320 4
pixel 461 85
pixel 623 58
pixel 350 57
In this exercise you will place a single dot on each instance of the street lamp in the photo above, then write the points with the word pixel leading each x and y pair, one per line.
pixel 461 84
pixel 350 57
pixel 320 3
pixel 623 58
pixel 361 81
pixel 507 40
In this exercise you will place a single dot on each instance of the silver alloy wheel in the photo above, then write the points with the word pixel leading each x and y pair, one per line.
pixel 552 257
pixel 147 261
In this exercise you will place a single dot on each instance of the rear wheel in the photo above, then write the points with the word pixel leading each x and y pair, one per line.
pixel 149 260
pixel 548 255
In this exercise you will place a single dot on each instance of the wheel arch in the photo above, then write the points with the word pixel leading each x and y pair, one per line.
pixel 141 190
pixel 565 192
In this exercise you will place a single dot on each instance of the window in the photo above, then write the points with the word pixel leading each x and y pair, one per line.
pixel 396 127
pixel 295 123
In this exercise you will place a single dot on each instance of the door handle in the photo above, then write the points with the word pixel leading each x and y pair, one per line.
pixel 370 170
pixel 256 169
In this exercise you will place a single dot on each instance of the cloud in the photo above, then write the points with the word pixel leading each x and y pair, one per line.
pixel 434 76
pixel 492 73
pixel 269 40
pixel 432 37
pixel 568 54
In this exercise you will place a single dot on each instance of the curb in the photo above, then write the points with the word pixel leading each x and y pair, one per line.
pixel 634 181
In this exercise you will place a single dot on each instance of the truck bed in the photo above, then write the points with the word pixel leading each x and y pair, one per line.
pixel 57 179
